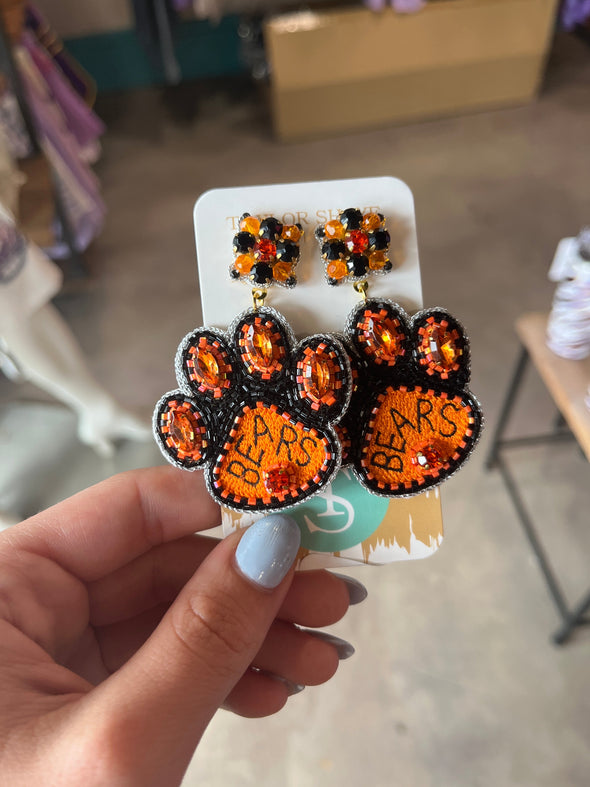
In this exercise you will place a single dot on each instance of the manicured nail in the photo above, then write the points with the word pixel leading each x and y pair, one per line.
pixel 292 688
pixel 344 649
pixel 357 592
pixel 267 550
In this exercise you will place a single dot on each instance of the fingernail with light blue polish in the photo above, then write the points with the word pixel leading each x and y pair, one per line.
pixel 267 550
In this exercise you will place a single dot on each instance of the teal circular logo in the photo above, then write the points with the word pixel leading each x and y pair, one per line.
pixel 343 515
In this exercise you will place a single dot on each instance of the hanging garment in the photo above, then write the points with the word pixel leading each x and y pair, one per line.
pixel 574 12
pixel 47 38
pixel 77 183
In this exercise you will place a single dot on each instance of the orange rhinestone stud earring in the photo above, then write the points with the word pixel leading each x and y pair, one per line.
pixel 412 422
pixel 255 408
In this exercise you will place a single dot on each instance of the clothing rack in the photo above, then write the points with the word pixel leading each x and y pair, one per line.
pixel 9 68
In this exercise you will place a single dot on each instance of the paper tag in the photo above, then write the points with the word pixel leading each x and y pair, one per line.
pixel 345 524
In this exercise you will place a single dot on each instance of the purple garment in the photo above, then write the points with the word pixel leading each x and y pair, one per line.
pixel 399 6
pixel 78 185
pixel 574 12
pixel 35 22
pixel 80 119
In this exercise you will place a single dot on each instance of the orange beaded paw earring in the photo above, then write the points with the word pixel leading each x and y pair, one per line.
pixel 412 422
pixel 255 408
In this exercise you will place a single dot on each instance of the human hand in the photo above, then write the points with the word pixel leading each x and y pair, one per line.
pixel 122 632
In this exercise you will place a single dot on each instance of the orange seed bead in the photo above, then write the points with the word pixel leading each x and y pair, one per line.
pixel 282 270
pixel 334 230
pixel 371 221
pixel 377 260
pixel 250 224
pixel 337 269
pixel 291 232
pixel 243 264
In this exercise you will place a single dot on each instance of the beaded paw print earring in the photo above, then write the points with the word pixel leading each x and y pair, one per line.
pixel 412 422
pixel 255 408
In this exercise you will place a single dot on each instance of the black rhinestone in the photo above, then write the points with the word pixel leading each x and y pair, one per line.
pixel 333 250
pixel 244 242
pixel 319 232
pixel 388 266
pixel 244 216
pixel 381 217
pixel 270 228
pixel 287 251
pixel 351 218
pixel 332 282
pixel 291 281
pixel 234 273
pixel 358 264
pixel 379 240
pixel 261 273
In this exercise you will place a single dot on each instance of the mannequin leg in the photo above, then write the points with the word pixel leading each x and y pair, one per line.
pixel 49 356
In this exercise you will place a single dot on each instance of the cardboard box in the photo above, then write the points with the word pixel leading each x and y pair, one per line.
pixel 338 71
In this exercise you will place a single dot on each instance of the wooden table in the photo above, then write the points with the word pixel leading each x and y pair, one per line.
pixel 567 383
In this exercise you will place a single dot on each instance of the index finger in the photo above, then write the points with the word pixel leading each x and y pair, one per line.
pixel 104 527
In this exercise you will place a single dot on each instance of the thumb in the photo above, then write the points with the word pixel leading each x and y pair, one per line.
pixel 163 698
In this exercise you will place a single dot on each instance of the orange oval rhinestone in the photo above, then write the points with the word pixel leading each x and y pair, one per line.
pixel 381 336
pixel 243 263
pixel 378 260
pixel 262 352
pixel 281 271
pixel 337 269
pixel 371 221
pixel 210 370
pixel 439 346
pixel 319 377
pixel 250 224
pixel 334 230
pixel 291 232
pixel 184 433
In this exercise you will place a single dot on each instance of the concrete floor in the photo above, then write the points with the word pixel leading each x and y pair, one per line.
pixel 454 682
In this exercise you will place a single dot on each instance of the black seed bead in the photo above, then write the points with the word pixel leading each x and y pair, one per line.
pixel 319 232
pixel 244 242
pixel 261 273
pixel 270 228
pixel 287 251
pixel 234 273
pixel 388 266
pixel 379 240
pixel 333 250
pixel 358 264
pixel 351 218
pixel 291 281
pixel 332 282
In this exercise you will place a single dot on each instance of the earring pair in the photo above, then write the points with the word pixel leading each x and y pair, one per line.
pixel 352 246
pixel 272 419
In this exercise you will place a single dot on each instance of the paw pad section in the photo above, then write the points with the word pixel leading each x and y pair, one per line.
pixel 263 343
pixel 380 332
pixel 258 411
pixel 354 246
pixel 266 251
pixel 203 363
pixel 269 459
pixel 416 437
pixel 441 348
pixel 323 376
pixel 181 431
